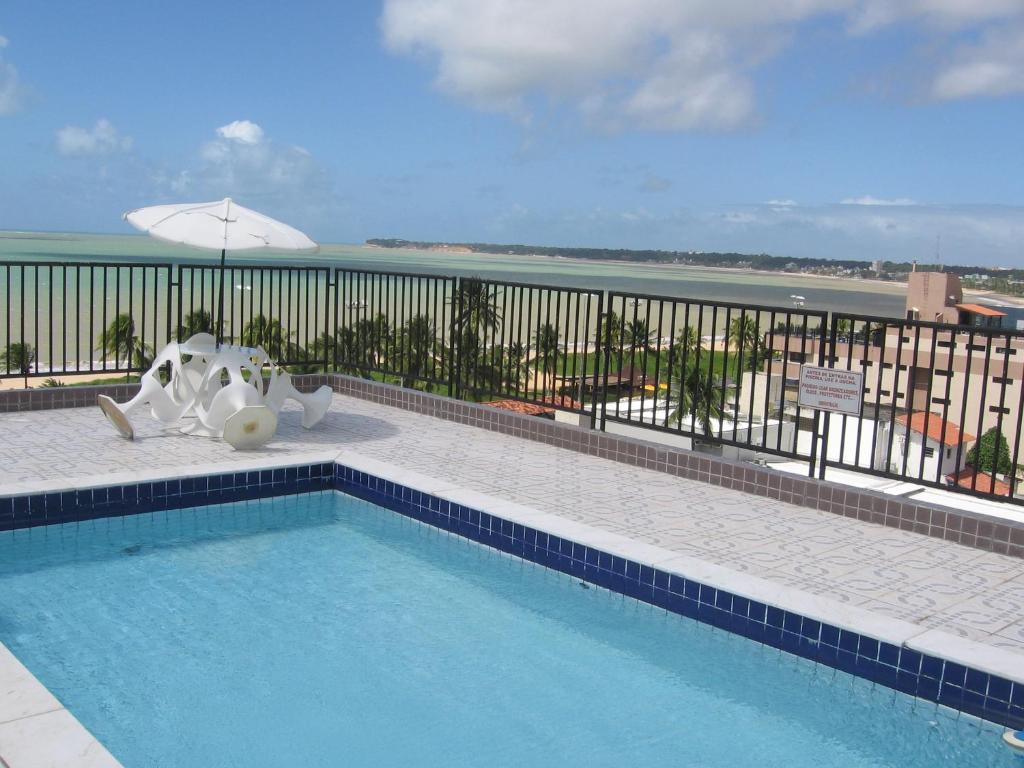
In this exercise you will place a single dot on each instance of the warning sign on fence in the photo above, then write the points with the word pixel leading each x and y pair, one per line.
pixel 831 390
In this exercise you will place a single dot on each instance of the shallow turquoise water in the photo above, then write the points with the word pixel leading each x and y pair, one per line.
pixel 320 630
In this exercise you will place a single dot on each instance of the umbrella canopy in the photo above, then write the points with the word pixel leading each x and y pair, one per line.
pixel 220 226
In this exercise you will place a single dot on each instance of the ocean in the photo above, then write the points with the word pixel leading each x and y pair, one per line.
pixel 770 289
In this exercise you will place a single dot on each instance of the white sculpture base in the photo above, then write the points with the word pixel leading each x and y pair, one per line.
pixel 239 412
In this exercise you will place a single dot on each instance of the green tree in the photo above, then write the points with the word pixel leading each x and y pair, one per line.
pixel 475 316
pixel 609 333
pixel 266 332
pixel 638 335
pixel 699 391
pixel 118 340
pixel 199 321
pixel 745 337
pixel 546 349
pixel 416 345
pixel 475 306
pixel 513 365
pixel 991 454
pixel 18 358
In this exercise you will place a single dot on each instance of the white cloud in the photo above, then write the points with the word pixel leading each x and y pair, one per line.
pixel 12 92
pixel 787 203
pixel 672 65
pixel 869 200
pixel 992 67
pixel 242 131
pixel 868 15
pixel 102 139
pixel 240 161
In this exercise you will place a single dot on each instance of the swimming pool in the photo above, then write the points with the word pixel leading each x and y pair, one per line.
pixel 321 630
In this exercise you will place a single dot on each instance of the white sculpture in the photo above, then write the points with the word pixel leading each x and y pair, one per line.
pixel 239 411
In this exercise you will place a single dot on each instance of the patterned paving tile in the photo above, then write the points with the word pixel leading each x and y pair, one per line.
pixel 893 572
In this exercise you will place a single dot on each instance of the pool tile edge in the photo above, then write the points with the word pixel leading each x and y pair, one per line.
pixel 969 677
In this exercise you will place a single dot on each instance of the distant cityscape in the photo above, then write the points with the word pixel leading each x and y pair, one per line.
pixel 1003 280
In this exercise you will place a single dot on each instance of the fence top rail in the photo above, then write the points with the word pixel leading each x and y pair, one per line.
pixel 389 273
pixel 750 308
pixel 90 264
pixel 535 286
pixel 258 267
pixel 928 324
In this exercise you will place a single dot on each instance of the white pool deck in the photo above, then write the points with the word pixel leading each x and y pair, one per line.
pixel 942 598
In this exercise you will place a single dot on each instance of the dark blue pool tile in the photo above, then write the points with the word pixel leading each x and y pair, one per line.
pixel 811 629
pixel 755 631
pixel 827 654
pixel 951 695
pixel 790 642
pixel 846 662
pixel 886 675
pixel 927 688
pixel 999 688
pixel 646 575
pixel 775 617
pixel 976 682
pixel 954 674
pixel 772 636
pixel 889 654
pixel 930 667
pixel 907 682
pixel 910 660
pixel 676 584
pixel 791 623
pixel 723 600
pixel 740 606
pixel 848 641
pixel 829 635
pixel 757 612
pixel 661 579
pixel 691 589
pixel 868 648
pixel 707 594
pixel 1017 695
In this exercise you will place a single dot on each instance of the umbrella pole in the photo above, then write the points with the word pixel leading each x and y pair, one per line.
pixel 220 301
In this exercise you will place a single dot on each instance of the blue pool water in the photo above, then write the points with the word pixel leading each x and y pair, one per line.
pixel 320 630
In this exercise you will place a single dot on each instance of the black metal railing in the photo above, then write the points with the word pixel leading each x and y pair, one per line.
pixel 713 372
pixel 395 326
pixel 63 318
pixel 525 342
pixel 942 404
pixel 287 310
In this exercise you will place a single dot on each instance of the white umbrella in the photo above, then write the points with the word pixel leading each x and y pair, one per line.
pixel 220 226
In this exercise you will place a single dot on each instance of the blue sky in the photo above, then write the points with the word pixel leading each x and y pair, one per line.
pixel 843 128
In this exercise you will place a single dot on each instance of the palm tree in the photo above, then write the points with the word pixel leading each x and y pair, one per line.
pixel 199 321
pixel 119 341
pixel 609 333
pixel 475 306
pixel 513 365
pixel 701 397
pixel 475 314
pixel 266 332
pixel 744 334
pixel 547 351
pixel 638 335
pixel 416 345
pixel 374 341
pixel 700 391
pixel 18 358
